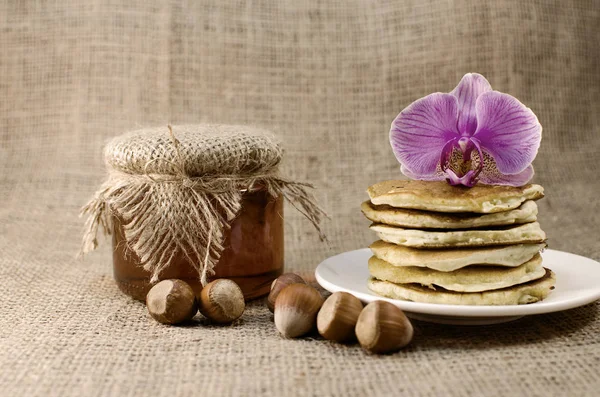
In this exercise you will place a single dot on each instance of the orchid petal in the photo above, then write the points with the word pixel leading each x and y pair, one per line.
pixel 468 180
pixel 420 132
pixel 490 175
pixel 471 86
pixel 438 176
pixel 519 179
pixel 507 130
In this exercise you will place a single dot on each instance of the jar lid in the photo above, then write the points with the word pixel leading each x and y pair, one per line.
pixel 200 149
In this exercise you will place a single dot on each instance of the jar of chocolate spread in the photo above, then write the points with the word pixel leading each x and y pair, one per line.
pixel 195 202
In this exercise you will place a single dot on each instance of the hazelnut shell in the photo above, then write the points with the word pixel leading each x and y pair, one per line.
pixel 280 283
pixel 383 328
pixel 222 301
pixel 171 302
pixel 296 310
pixel 337 318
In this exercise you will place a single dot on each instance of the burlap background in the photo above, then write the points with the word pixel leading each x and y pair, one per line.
pixel 328 77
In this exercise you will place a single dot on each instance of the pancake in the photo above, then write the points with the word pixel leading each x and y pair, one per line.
pixel 419 219
pixel 530 292
pixel 467 279
pixel 447 260
pixel 442 197
pixel 521 234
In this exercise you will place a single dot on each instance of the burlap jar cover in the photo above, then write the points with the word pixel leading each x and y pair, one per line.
pixel 178 189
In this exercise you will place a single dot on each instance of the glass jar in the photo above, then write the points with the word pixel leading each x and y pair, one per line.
pixel 253 255
pixel 173 186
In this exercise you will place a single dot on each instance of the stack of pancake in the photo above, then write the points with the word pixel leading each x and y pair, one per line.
pixel 456 245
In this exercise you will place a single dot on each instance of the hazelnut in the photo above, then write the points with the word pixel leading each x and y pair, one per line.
pixel 383 328
pixel 222 301
pixel 171 302
pixel 280 283
pixel 338 316
pixel 296 310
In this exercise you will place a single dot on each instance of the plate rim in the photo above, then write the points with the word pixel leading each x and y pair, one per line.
pixel 465 310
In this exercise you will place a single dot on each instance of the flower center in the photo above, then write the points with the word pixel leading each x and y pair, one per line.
pixel 456 161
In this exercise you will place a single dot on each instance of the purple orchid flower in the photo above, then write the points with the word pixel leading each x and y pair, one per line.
pixel 473 134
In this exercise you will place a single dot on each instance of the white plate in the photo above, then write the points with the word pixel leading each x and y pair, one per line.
pixel 577 284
